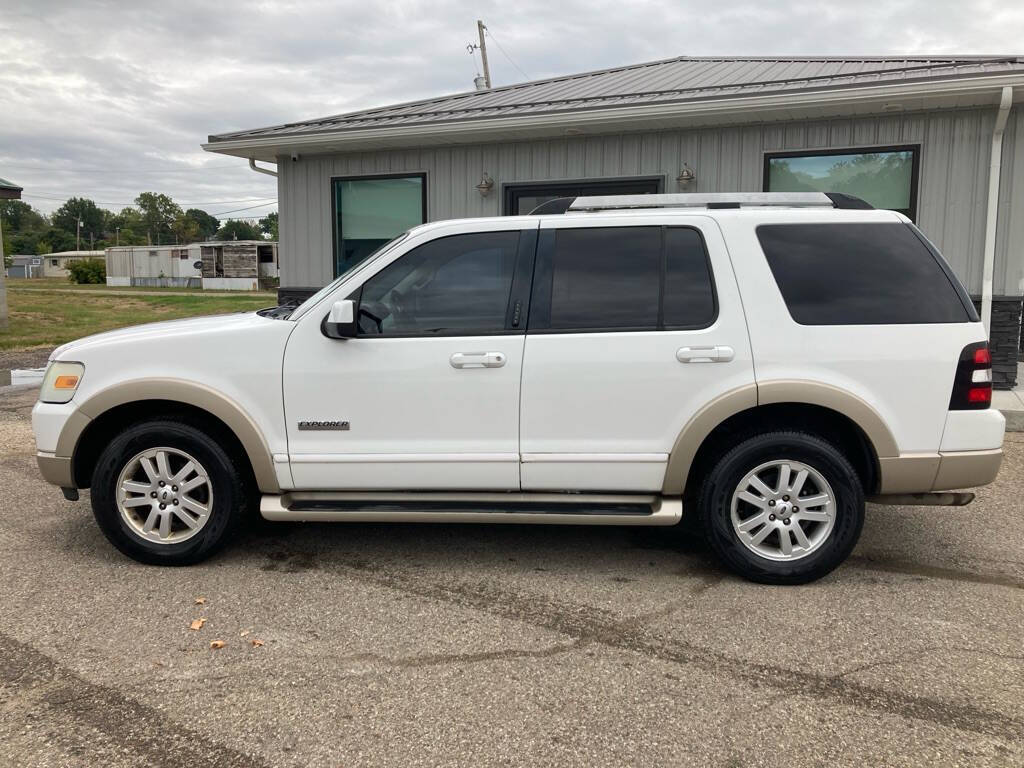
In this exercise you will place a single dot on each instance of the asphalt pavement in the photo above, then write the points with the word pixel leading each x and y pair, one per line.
pixel 409 645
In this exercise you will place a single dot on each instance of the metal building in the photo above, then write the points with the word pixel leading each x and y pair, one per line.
pixel 937 137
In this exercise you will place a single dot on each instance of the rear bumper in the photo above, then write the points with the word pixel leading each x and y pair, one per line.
pixel 55 469
pixel 920 473
pixel 967 469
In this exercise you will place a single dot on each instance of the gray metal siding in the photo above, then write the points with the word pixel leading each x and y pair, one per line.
pixel 951 198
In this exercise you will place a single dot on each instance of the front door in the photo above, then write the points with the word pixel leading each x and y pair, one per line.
pixel 426 397
pixel 635 325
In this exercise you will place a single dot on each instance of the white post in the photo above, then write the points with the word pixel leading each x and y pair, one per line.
pixel 992 212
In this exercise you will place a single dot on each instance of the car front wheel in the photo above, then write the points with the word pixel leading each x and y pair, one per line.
pixel 164 492
pixel 782 508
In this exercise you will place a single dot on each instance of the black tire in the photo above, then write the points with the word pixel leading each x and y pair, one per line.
pixel 231 494
pixel 715 503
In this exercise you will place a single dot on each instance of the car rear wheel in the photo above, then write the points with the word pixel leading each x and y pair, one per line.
pixel 165 492
pixel 782 508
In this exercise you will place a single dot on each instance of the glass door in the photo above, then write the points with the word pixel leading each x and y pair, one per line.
pixel 520 199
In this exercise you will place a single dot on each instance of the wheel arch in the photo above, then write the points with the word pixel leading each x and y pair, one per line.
pixel 819 407
pixel 98 417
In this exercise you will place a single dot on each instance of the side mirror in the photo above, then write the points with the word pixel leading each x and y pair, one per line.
pixel 341 322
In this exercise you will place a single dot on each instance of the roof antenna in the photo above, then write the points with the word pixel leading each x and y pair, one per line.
pixel 481 83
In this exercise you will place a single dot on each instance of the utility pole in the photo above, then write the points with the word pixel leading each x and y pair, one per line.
pixel 117 234
pixel 78 236
pixel 483 52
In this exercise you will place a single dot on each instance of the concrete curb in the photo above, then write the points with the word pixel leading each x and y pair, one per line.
pixel 1010 402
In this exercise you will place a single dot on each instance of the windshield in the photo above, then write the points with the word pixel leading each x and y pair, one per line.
pixel 317 297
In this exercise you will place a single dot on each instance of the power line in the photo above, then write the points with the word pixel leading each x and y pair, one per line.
pixel 219 214
pixel 505 53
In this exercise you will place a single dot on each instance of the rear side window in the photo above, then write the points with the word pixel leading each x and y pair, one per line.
pixel 623 278
pixel 860 274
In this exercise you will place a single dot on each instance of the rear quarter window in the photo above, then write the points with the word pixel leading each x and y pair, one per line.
pixel 861 274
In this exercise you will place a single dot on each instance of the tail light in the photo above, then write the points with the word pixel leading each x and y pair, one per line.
pixel 972 387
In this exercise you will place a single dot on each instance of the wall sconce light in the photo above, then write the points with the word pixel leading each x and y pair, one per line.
pixel 485 186
pixel 686 175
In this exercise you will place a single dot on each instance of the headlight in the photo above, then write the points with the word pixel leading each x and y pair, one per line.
pixel 61 382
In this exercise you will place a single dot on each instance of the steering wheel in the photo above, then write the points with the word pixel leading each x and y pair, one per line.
pixel 399 308
pixel 375 311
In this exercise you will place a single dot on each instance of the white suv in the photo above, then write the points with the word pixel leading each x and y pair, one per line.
pixel 764 362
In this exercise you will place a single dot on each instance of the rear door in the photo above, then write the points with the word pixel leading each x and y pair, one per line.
pixel 635 324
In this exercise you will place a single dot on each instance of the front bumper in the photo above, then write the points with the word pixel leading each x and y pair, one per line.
pixel 55 469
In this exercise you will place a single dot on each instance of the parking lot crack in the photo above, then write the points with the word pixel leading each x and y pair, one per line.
pixel 441 659
pixel 586 624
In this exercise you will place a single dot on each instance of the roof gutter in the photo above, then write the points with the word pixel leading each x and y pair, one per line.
pixel 252 164
pixel 992 212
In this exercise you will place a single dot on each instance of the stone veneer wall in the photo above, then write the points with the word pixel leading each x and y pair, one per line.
pixel 1004 341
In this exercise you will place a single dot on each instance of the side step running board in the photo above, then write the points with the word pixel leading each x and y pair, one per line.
pixel 419 507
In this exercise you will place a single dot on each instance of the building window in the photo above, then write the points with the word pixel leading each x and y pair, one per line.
pixel 520 199
pixel 54 262
pixel 371 210
pixel 886 177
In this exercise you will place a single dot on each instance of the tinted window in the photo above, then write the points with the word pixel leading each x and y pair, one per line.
pixel 457 284
pixel 639 278
pixel 689 295
pixel 859 274
pixel 606 278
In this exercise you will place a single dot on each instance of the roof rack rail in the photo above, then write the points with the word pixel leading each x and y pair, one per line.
pixel 711 201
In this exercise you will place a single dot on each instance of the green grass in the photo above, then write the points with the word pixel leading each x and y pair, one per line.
pixel 46 318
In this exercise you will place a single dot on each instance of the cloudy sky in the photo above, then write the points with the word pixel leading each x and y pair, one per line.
pixel 110 99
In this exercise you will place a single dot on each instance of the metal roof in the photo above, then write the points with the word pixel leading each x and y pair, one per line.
pixel 680 80
pixel 9 190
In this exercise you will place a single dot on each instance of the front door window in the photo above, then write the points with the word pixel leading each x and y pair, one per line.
pixel 458 284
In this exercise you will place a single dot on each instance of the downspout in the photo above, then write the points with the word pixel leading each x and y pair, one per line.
pixel 991 214
pixel 252 164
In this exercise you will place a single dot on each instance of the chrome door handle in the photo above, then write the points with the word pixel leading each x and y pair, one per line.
pixel 477 359
pixel 719 354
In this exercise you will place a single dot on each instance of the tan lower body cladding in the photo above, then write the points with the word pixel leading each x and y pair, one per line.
pixel 919 473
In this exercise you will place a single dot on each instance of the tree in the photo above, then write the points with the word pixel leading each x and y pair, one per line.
pixel 186 229
pixel 207 224
pixel 158 214
pixel 80 209
pixel 19 216
pixel 239 229
pixel 127 227
pixel 55 240
pixel 268 224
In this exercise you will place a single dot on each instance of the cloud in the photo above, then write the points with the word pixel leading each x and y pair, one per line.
pixel 110 99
